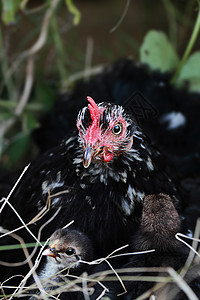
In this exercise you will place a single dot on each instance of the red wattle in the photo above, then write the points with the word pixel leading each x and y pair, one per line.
pixel 107 156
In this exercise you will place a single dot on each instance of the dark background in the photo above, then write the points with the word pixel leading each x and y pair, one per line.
pixel 97 40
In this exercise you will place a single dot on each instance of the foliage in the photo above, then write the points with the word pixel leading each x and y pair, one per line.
pixel 9 10
pixel 41 63
pixel 23 97
pixel 190 73
pixel 158 52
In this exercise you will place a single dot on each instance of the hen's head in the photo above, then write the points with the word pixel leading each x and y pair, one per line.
pixel 105 131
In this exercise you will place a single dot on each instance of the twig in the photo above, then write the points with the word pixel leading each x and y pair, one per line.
pixel 3 293
pixel 101 295
pixel 194 247
pixel 43 211
pixel 12 190
pixel 118 277
pixel 133 253
pixel 182 284
pixel 44 31
pixel 40 215
pixel 30 53
pixel 79 75
pixel 187 237
pixel 70 223
pixel 28 259
pixel 84 285
pixel 22 221
pixel 33 10
pixel 7 232
pixel 59 193
pixel 39 42
pixel 27 86
pixel 12 104
pixel 122 16
pixel 37 261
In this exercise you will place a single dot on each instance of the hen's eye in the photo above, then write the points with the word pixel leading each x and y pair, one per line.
pixel 117 129
pixel 70 251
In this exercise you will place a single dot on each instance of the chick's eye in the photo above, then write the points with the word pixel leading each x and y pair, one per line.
pixel 70 251
pixel 117 129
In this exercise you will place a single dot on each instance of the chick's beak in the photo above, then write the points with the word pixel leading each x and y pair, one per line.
pixel 51 251
pixel 89 153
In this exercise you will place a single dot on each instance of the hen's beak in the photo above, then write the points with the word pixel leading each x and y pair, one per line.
pixel 89 153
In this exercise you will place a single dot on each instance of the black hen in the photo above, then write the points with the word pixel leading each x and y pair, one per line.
pixel 169 116
pixel 97 177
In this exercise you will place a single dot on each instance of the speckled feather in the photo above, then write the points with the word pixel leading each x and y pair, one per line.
pixel 119 83
pixel 104 199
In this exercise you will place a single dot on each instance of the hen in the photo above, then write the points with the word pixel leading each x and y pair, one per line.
pixel 167 114
pixel 97 177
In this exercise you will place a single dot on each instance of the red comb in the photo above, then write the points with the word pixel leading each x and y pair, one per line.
pixel 94 110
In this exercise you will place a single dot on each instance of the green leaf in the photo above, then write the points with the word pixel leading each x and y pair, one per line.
pixel 16 149
pixel 10 8
pixel 157 52
pixel 45 95
pixel 5 115
pixel 73 10
pixel 31 122
pixel 190 73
